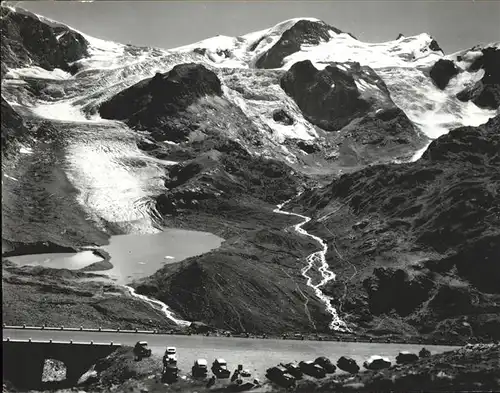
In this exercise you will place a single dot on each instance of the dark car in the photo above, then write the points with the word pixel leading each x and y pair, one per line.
pixel 377 363
pixel 141 350
pixel 170 373
pixel 280 376
pixel 406 357
pixel 424 353
pixel 312 369
pixel 219 368
pixel 326 364
pixel 348 364
pixel 200 368
pixel 293 369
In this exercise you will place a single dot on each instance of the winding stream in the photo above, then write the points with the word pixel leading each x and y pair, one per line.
pixel 313 260
pixel 155 304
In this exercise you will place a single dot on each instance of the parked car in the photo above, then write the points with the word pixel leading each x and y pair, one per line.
pixel 405 357
pixel 312 369
pixel 170 373
pixel 219 368
pixel 141 350
pixel 170 355
pixel 326 364
pixel 348 364
pixel 280 376
pixel 200 368
pixel 424 353
pixel 377 363
pixel 293 369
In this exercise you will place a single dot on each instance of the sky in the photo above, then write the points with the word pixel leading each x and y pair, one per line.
pixel 454 24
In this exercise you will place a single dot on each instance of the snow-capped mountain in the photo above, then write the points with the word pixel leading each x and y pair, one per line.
pixel 313 96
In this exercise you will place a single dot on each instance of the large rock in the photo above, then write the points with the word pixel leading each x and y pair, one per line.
pixel 153 103
pixel 442 71
pixel 486 92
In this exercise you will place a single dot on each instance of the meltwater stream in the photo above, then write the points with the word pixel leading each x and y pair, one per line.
pixel 155 304
pixel 318 257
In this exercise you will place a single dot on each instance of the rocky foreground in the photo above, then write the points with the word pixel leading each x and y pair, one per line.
pixel 471 368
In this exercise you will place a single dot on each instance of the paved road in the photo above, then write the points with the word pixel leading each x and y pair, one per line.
pixel 254 354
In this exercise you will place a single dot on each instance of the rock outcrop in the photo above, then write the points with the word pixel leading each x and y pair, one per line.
pixel 28 41
pixel 486 92
pixel 329 98
pixel 303 32
pixel 442 71
pixel 148 104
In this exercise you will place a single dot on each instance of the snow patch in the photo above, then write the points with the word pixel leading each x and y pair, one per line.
pixel 10 177
pixel 38 73
pixel 25 150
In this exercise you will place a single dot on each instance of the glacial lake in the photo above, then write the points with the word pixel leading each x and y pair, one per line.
pixel 133 256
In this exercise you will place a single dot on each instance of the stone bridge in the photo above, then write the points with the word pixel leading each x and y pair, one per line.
pixel 23 360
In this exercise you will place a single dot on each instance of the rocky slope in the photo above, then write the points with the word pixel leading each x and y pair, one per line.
pixel 428 231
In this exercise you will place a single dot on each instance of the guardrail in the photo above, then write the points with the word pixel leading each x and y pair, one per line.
pixel 295 337
pixel 71 342
pixel 80 329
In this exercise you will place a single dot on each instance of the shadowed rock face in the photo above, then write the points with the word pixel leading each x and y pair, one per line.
pixel 442 71
pixel 302 32
pixel 12 126
pixel 354 101
pixel 486 92
pixel 149 103
pixel 27 40
pixel 329 98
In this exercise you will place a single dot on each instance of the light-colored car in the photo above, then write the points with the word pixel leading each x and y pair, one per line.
pixel 170 355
